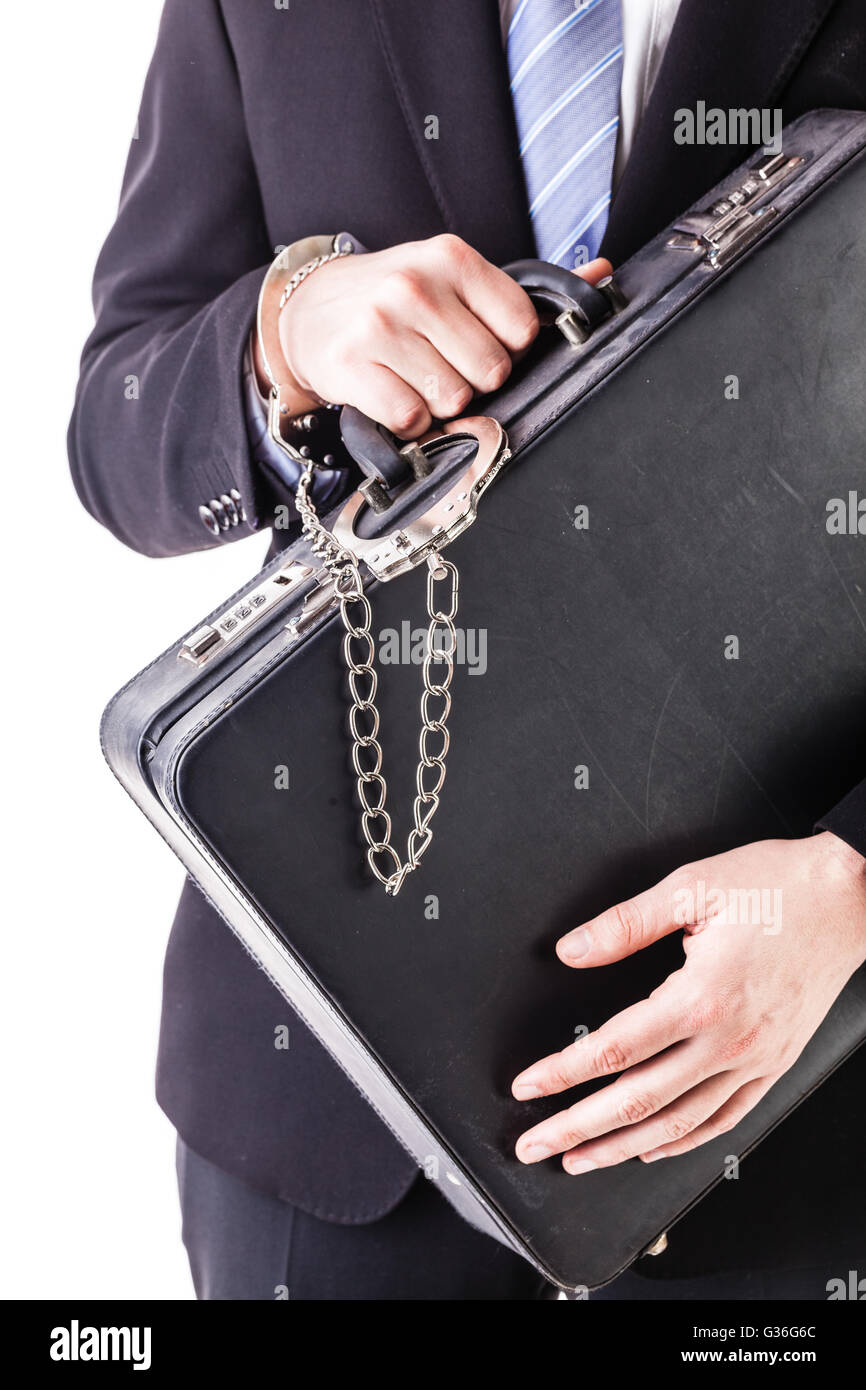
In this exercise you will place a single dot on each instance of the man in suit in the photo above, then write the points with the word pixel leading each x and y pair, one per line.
pixel 424 130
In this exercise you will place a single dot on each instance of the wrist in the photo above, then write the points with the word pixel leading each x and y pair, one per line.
pixel 842 870
pixel 840 857
pixel 300 385
pixel 289 395
pixel 297 399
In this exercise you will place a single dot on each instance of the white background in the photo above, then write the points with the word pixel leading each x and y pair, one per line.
pixel 87 1161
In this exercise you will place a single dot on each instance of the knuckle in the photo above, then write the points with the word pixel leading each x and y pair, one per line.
pixel 523 332
pixel 634 1108
pixel 682 880
pixel 404 289
pixel 572 1138
pixel 335 360
pixel 453 249
pixel 724 1122
pixel 572 1132
pixel 611 1057
pixel 625 924
pixel 457 400
pixel 693 1018
pixel 678 1126
pixel 621 1154
pixel 682 894
pixel 495 372
pixel 720 1008
pixel 704 1013
pixel 368 325
pixel 741 1044
pixel 692 1015
pixel 560 1076
pixel 338 355
pixel 407 417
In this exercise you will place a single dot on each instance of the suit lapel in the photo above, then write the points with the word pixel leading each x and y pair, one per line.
pixel 446 61
pixel 731 54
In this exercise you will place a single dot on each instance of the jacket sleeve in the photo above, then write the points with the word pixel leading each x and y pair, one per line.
pixel 158 427
pixel 848 819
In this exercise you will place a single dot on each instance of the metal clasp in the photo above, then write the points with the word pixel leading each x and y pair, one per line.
pixel 208 641
pixel 724 229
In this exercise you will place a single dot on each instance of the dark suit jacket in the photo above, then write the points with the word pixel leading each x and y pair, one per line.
pixel 259 126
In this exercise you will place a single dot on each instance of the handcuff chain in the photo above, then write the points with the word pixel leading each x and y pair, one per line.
pixel 304 271
pixel 372 787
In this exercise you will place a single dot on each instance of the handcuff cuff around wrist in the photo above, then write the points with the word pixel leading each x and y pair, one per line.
pixel 342 551
pixel 289 269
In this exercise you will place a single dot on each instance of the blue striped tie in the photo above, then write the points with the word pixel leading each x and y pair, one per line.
pixel 565 60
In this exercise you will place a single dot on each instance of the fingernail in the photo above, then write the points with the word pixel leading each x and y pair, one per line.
pixel 651 1158
pixel 526 1088
pixel 577 945
pixel 579 1165
pixel 534 1153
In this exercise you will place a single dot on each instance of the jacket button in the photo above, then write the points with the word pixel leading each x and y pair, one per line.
pixel 219 512
pixel 208 519
pixel 222 512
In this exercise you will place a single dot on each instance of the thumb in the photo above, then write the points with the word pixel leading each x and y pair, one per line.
pixel 621 930
pixel 596 270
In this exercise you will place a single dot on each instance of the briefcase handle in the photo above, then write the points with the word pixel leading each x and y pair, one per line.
pixel 578 308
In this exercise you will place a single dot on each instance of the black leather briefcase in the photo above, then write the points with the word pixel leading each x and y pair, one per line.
pixel 674 447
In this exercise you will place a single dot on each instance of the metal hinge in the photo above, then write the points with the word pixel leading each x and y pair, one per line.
pixel 659 1245
pixel 724 229
pixel 577 331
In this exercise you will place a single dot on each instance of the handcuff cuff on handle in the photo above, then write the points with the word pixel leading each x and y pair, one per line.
pixel 342 551
pixel 577 309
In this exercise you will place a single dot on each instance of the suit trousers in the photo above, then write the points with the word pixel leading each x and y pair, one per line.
pixel 244 1244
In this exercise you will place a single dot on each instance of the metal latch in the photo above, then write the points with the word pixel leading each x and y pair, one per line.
pixel 321 597
pixel 206 642
pixel 724 229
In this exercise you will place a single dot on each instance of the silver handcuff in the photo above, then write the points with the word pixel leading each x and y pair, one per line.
pixel 416 542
